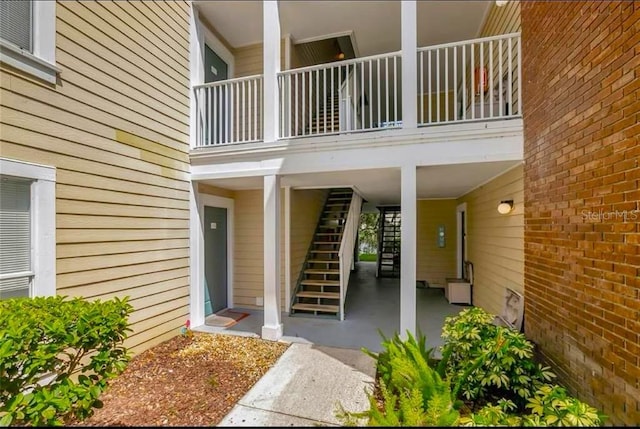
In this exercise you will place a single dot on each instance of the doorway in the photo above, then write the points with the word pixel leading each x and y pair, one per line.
pixel 462 245
pixel 215 260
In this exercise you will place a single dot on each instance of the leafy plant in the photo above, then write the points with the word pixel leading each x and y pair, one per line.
pixel 504 359
pixel 550 406
pixel 56 356
pixel 412 392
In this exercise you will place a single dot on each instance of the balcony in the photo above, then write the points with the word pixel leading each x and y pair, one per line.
pixel 473 80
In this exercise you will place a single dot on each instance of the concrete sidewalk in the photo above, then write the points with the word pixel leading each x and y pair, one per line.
pixel 305 387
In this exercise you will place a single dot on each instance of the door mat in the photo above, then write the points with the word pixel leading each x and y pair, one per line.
pixel 225 318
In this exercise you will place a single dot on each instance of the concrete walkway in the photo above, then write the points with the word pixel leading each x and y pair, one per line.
pixel 305 387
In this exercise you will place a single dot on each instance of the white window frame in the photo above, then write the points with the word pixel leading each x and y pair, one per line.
pixel 41 62
pixel 43 221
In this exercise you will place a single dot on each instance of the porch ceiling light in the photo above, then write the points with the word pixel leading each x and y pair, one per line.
pixel 505 206
pixel 501 3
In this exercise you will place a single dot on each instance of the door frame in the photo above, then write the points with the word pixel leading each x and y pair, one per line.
pixel 197 268
pixel 461 208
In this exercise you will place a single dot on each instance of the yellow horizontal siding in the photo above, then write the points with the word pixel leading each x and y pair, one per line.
pixel 435 264
pixel 306 206
pixel 116 127
pixel 496 242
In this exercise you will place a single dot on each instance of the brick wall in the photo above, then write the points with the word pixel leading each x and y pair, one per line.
pixel 581 82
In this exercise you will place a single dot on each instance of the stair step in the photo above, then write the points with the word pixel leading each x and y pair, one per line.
pixel 326 295
pixel 328 233
pixel 321 271
pixel 326 242
pixel 335 283
pixel 323 261
pixel 325 251
pixel 329 226
pixel 316 307
pixel 340 198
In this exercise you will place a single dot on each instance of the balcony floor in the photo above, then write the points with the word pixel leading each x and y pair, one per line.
pixel 371 304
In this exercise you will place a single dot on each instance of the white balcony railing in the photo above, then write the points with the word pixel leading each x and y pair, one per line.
pixel 476 79
pixel 470 80
pixel 354 95
pixel 229 111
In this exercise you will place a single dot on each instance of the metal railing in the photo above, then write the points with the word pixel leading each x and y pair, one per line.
pixel 470 80
pixel 229 111
pixel 354 95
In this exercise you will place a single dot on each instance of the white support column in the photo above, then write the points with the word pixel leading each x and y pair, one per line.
pixel 196 253
pixel 287 248
pixel 409 64
pixel 408 251
pixel 272 329
pixel 271 54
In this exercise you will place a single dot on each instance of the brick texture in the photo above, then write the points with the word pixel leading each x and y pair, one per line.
pixel 581 89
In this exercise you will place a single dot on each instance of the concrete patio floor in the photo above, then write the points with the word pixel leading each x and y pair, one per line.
pixel 372 303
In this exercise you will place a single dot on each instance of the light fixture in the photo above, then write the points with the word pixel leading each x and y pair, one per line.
pixel 501 3
pixel 340 56
pixel 505 206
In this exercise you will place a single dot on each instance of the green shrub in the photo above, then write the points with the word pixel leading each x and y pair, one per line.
pixel 75 343
pixel 549 406
pixel 412 392
pixel 503 359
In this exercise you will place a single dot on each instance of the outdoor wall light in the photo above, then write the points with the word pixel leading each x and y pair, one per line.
pixel 505 206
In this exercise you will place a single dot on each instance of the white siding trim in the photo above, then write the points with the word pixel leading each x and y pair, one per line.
pixel 40 63
pixel 43 206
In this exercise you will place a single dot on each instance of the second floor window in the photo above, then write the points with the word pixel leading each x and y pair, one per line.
pixel 16 19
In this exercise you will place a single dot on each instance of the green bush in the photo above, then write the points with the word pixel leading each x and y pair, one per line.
pixel 412 392
pixel 504 365
pixel 75 345
pixel 549 406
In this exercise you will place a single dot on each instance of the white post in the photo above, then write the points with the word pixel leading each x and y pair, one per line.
pixel 196 248
pixel 272 329
pixel 409 64
pixel 287 248
pixel 271 57
pixel 408 251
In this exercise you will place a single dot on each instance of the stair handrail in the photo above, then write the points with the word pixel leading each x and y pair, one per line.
pixel 345 255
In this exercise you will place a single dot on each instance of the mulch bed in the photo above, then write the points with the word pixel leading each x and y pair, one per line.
pixel 186 381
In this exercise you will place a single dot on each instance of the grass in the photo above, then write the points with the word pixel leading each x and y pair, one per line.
pixel 369 257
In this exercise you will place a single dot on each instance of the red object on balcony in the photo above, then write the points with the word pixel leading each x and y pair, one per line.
pixel 480 81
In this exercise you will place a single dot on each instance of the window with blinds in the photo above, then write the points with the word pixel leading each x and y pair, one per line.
pixel 16 22
pixel 16 272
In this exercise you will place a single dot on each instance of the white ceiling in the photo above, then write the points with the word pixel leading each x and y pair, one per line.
pixel 382 186
pixel 375 24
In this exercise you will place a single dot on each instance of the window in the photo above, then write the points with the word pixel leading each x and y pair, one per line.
pixel 27 229
pixel 28 37
pixel 15 23
pixel 16 271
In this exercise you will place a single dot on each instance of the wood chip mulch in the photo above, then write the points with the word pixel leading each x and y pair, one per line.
pixel 186 381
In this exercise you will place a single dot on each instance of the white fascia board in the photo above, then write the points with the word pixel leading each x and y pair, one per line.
pixel 467 131
pixel 442 153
